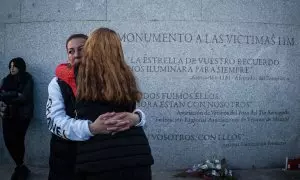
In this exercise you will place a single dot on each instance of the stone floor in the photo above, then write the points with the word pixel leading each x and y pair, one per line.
pixel 260 174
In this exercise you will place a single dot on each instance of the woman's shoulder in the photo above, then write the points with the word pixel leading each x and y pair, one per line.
pixel 27 76
pixel 6 79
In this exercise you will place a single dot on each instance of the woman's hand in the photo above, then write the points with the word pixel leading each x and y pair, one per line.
pixel 98 126
pixel 122 121
pixel 2 108
pixel 113 122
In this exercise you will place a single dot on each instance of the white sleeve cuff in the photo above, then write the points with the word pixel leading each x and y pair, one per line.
pixel 87 129
pixel 143 118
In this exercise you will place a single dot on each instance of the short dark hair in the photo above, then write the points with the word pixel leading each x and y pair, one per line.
pixel 74 36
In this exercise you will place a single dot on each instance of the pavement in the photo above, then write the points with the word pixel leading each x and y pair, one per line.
pixel 38 173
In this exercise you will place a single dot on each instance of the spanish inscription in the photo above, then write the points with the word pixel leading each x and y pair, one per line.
pixel 180 37
pixel 208 68
pixel 207 108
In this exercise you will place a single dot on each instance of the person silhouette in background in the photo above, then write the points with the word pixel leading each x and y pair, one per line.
pixel 16 96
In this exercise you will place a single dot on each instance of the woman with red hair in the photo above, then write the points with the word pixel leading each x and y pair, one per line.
pixel 105 83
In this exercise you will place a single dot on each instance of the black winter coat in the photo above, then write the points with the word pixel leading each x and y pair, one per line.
pixel 17 92
pixel 63 152
pixel 105 152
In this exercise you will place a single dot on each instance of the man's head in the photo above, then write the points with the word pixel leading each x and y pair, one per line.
pixel 74 46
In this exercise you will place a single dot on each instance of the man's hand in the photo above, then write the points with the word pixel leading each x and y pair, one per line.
pixel 2 109
pixel 113 122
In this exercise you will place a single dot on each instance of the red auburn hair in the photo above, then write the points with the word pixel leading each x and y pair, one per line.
pixel 103 73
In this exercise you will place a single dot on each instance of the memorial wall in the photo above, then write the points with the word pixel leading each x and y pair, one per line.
pixel 220 79
pixel 214 90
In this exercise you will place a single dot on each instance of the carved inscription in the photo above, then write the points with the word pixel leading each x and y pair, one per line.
pixel 204 108
pixel 180 37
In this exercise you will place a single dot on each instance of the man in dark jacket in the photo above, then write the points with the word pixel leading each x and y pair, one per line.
pixel 16 96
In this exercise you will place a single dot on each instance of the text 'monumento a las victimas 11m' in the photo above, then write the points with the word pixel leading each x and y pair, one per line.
pixel 217 90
